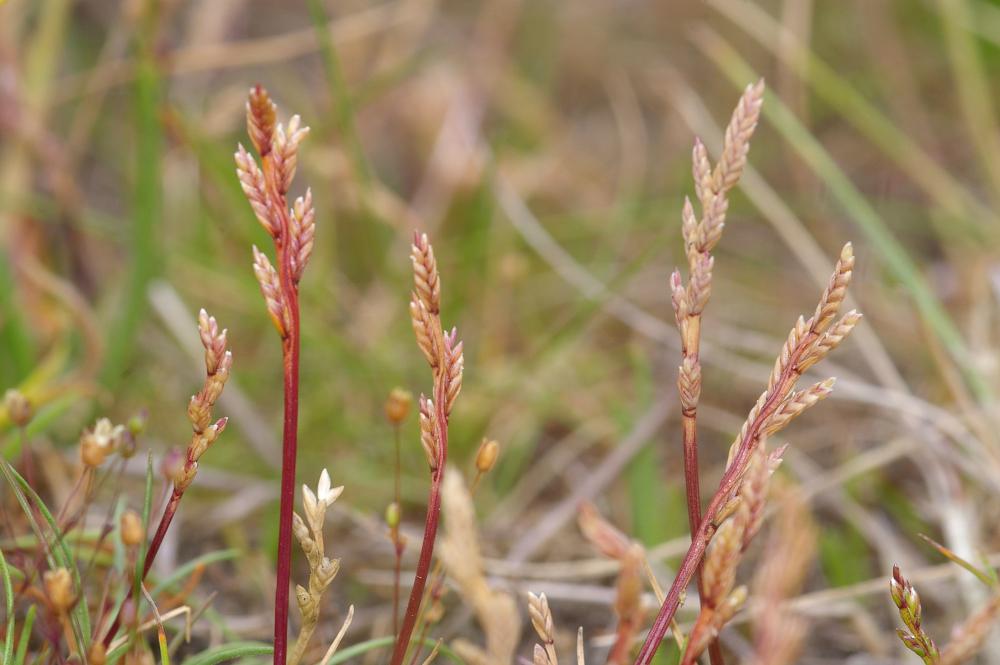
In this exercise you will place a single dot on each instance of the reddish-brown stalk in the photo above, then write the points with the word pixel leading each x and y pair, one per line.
pixel 266 187
pixel 443 352
pixel 218 362
pixel 289 451
pixel 426 549
pixel 712 185
pixel 791 364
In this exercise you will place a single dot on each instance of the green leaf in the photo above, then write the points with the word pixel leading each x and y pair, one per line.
pixel 57 553
pixel 229 652
pixel 8 588
pixel 180 573
pixel 22 645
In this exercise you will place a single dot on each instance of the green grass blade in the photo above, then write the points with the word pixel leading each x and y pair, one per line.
pixel 146 210
pixel 8 591
pixel 974 93
pixel 341 95
pixel 164 648
pixel 962 205
pixel 147 508
pixel 857 208
pixel 61 556
pixel 16 350
pixel 229 652
pixel 181 572
pixel 22 645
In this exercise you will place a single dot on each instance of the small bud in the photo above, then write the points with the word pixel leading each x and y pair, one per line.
pixel 131 529
pixel 489 449
pixel 59 590
pixel 397 405
pixel 137 424
pixel 18 408
pixel 392 515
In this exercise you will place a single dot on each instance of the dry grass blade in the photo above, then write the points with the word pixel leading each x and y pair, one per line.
pixel 496 611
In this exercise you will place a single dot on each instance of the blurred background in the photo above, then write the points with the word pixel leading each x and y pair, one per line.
pixel 545 147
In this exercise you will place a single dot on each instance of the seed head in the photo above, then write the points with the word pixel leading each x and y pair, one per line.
pixel 397 405
pixel 392 515
pixel 59 590
pixel 131 529
pixel 489 449
pixel 18 407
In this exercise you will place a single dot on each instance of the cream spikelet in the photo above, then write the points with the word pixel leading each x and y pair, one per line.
pixel 285 152
pixel 303 231
pixel 270 288
pixel 428 437
pixel 322 570
pixel 797 403
pixel 541 620
pixel 255 188
pixel 427 282
pixel 736 143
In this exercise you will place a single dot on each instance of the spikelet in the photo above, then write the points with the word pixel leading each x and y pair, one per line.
pixel 302 218
pixel 286 152
pixel 736 143
pixel 322 569
pixel 255 188
pixel 428 435
pixel 830 339
pixel 270 288
pixel 541 620
pixel 796 404
pixel 907 601
pixel 261 117
pixel 427 283
pixel 833 295
pixel 218 363
pixel 753 493
pixel 455 366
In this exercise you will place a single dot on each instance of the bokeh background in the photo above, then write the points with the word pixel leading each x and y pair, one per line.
pixel 545 147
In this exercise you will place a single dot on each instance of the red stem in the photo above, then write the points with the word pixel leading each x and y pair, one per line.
pixel 430 528
pixel 730 481
pixel 290 349
pixel 154 548
pixel 691 349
